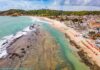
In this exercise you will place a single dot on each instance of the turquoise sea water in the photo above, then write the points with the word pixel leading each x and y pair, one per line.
pixel 70 59
pixel 11 25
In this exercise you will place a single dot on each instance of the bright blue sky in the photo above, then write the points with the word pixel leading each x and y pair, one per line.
pixel 50 4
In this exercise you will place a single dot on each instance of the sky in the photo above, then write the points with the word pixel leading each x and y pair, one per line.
pixel 68 5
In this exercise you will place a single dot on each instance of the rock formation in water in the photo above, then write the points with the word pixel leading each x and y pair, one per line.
pixel 35 51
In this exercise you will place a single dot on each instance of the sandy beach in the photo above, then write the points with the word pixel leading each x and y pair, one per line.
pixel 36 51
pixel 83 43
pixel 39 48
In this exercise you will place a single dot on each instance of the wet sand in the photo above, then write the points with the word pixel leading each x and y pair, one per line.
pixel 83 44
pixel 36 51
pixel 39 51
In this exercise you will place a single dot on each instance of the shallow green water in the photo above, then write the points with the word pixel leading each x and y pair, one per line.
pixel 70 59
pixel 11 25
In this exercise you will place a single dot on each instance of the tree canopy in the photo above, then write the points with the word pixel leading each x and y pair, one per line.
pixel 47 12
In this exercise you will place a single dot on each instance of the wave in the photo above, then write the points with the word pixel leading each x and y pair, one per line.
pixel 8 40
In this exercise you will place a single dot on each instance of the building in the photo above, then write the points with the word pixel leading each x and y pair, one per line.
pixel 94 24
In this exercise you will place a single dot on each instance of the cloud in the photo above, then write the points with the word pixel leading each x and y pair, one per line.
pixel 52 4
pixel 21 4
pixel 61 2
pixel 75 8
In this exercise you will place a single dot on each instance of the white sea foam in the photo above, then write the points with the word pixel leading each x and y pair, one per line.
pixel 8 37
pixel 3 51
pixel 35 19
pixel 18 34
pixel 26 29
pixel 2 41
pixel 3 54
pixel 7 40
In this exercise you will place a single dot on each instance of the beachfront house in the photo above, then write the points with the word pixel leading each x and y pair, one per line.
pixel 97 41
pixel 94 25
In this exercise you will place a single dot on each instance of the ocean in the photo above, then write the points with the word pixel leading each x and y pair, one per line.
pixel 12 25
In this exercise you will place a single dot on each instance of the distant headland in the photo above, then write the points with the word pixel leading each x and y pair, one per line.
pixel 46 12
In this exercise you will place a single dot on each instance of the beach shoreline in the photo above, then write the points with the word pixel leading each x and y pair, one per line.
pixel 7 41
pixel 83 44
pixel 80 43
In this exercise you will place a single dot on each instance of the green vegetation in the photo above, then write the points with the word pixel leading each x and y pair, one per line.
pixel 47 12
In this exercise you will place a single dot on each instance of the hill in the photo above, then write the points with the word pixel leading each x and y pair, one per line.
pixel 47 12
